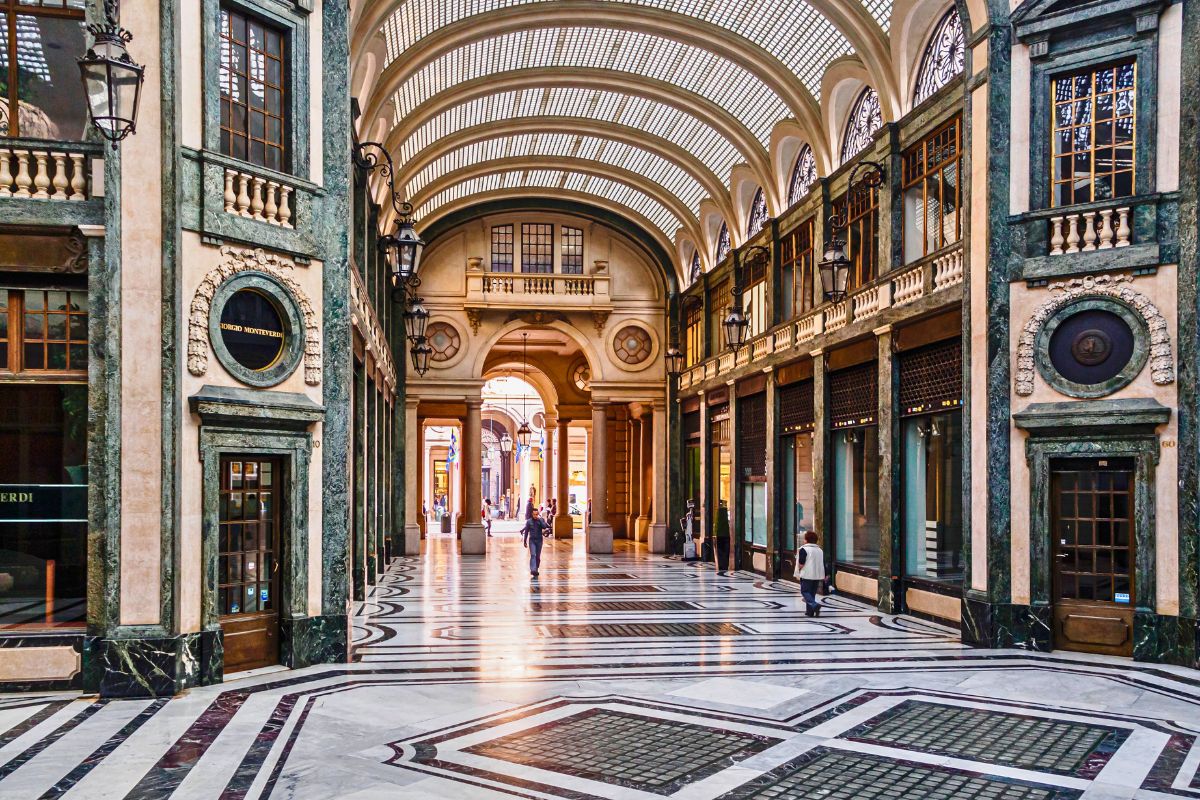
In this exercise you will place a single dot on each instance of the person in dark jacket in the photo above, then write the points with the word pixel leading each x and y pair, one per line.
pixel 721 535
pixel 532 536
pixel 529 507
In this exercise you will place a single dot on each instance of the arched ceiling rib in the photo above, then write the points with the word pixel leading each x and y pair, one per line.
pixel 676 154
pixel 594 106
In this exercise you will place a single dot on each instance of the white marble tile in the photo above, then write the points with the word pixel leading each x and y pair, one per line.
pixel 732 692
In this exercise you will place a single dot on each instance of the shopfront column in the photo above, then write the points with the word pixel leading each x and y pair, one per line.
pixel 889 473
pixel 635 520
pixel 474 538
pixel 599 532
pixel 735 494
pixel 820 439
pixel 412 478
pixel 547 490
pixel 773 476
pixel 564 524
pixel 646 493
pixel 658 482
pixel 704 514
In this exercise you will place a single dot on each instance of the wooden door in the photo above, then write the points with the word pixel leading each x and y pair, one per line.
pixel 1093 548
pixel 249 564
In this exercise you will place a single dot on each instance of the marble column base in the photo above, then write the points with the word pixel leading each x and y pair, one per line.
pixel 643 529
pixel 412 539
pixel 304 641
pixel 473 540
pixel 631 525
pixel 564 527
pixel 599 538
pixel 152 666
pixel 657 538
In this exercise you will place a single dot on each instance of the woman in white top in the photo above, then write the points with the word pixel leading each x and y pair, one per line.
pixel 810 569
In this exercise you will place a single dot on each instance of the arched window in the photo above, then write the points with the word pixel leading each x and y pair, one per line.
pixel 804 175
pixel 758 213
pixel 865 118
pixel 722 243
pixel 943 58
pixel 694 270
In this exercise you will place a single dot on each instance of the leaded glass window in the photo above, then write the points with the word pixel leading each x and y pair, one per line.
pixel 722 243
pixel 804 175
pixel 572 251
pixel 932 189
pixel 943 59
pixel 865 118
pixel 695 269
pixel 502 248
pixel 252 90
pixel 796 270
pixel 758 213
pixel 1094 118
pixel 537 247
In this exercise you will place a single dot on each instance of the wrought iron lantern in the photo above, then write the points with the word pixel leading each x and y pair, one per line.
pixel 416 320
pixel 524 434
pixel 736 325
pixel 674 360
pixel 835 266
pixel 112 80
pixel 421 351
pixel 401 250
pixel 506 444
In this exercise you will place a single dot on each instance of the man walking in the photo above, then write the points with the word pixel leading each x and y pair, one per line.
pixel 810 569
pixel 532 536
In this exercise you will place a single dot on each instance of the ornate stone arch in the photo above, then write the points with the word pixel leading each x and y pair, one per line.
pixel 236 260
pixel 1162 363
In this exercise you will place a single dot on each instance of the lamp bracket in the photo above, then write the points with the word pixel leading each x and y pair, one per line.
pixel 366 156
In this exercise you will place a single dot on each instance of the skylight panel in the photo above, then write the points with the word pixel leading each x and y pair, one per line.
pixel 771 24
pixel 687 131
pixel 724 83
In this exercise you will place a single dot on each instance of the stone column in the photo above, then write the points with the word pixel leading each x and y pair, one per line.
pixel 600 532
pixel 658 480
pixel 889 474
pixel 412 475
pixel 634 519
pixel 564 523
pixel 704 502
pixel 646 491
pixel 773 476
pixel 735 492
pixel 820 445
pixel 547 466
pixel 474 539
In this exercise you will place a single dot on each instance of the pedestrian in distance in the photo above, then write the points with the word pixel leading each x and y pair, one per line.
pixel 721 535
pixel 810 569
pixel 486 513
pixel 532 536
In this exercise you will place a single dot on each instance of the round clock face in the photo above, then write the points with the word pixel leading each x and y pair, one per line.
pixel 252 329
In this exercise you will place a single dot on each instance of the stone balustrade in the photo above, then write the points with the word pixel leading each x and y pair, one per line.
pixel 259 198
pixel 783 337
pixel 762 346
pixel 908 286
pixel 1083 232
pixel 515 289
pixel 47 171
pixel 948 269
pixel 837 316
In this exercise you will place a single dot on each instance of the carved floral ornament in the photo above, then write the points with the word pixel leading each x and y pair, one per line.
pixel 233 261
pixel 1162 363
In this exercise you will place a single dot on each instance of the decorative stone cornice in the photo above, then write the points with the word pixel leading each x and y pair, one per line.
pixel 1162 364
pixel 245 259
pixel 367 322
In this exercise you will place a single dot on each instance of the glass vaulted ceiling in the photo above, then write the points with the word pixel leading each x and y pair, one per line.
pixel 498 182
pixel 558 145
pixel 656 119
pixel 690 68
pixel 771 24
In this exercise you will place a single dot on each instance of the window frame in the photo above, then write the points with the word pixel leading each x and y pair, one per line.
pixel 923 66
pixel 789 258
pixel 13 368
pixel 284 87
pixel 1054 182
pixel 1143 51
pixel 537 245
pixel 567 234
pixel 511 248
pixel 693 331
pixel 11 9
pixel 858 279
pixel 855 108
pixel 293 23
pixel 909 180
pixel 794 195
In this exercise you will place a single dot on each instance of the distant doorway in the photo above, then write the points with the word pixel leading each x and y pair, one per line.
pixel 1092 533
pixel 252 489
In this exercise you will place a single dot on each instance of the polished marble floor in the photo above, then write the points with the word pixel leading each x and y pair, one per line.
pixel 626 676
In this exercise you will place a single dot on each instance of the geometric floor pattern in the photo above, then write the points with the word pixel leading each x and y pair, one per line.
pixel 626 676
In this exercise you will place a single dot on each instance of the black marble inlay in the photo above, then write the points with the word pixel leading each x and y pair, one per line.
pixel 836 775
pixel 613 605
pixel 995 737
pixel 653 755
pixel 565 588
pixel 641 629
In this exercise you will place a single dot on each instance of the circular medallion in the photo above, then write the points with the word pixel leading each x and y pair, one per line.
pixel 444 339
pixel 252 329
pixel 632 345
pixel 581 376
pixel 1092 347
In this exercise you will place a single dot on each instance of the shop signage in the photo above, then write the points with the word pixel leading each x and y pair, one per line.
pixel 252 329
pixel 43 502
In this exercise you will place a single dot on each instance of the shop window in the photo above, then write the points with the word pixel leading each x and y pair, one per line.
pixel 853 395
pixel 253 111
pixel 796 423
pixel 502 248
pixel 752 466
pixel 720 458
pixel 693 336
pixel 943 59
pixel 1093 135
pixel 796 271
pixel 804 175
pixel 932 466
pixel 41 96
pixel 861 209
pixel 758 214
pixel 933 192
pixel 43 331
pixel 720 300
pixel 572 250
pixel 865 119
pixel 537 247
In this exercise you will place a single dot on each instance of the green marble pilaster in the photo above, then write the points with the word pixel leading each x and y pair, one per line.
pixel 359 558
pixel 774 479
pixel 735 485
pixel 820 447
pixel 889 473
pixel 708 511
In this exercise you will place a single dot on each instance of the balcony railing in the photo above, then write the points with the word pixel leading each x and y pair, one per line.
pixel 936 273
pixel 1094 229
pixel 42 170
pixel 259 198
pixel 515 289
